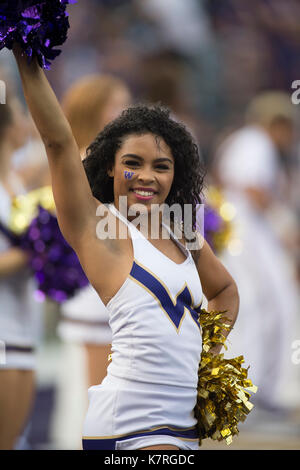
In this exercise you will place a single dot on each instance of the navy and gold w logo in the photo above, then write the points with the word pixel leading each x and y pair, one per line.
pixel 128 174
pixel 175 310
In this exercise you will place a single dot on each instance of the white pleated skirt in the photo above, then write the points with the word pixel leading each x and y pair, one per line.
pixel 128 415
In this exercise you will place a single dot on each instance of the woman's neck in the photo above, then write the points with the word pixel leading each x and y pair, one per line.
pixel 150 224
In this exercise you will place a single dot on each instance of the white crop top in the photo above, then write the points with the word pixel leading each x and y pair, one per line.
pixel 156 336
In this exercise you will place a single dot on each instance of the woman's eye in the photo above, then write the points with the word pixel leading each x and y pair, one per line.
pixel 131 163
pixel 162 167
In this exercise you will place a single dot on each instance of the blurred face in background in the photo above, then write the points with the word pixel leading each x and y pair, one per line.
pixel 91 103
pixel 117 101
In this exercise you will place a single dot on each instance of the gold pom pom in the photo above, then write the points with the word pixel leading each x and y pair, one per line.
pixel 223 387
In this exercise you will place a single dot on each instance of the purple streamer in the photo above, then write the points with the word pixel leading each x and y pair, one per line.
pixel 37 25
pixel 54 263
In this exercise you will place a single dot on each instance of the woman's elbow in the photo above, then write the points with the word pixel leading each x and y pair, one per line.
pixel 60 144
pixel 236 298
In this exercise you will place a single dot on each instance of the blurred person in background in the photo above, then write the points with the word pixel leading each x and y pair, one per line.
pixel 19 312
pixel 164 77
pixel 89 104
pixel 248 167
pixel 267 142
pixel 30 161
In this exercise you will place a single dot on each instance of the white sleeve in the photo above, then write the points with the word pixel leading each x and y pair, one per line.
pixel 248 158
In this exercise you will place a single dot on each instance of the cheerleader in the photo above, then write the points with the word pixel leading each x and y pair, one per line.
pixel 152 287
pixel 18 310
pixel 89 104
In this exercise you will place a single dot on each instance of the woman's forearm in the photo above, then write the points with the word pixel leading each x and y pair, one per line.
pixel 76 209
pixel 227 299
pixel 12 261
pixel 42 102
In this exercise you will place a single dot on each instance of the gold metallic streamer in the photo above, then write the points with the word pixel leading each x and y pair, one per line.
pixel 223 387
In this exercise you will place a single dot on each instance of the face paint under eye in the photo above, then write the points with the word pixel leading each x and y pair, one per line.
pixel 128 174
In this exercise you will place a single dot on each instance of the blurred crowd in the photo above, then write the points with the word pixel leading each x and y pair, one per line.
pixel 225 68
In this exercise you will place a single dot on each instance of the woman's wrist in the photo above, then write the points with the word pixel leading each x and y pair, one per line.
pixel 22 59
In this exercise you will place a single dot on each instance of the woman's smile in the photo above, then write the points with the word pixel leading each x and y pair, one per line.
pixel 145 194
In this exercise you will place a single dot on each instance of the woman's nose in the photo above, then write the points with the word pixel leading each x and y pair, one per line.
pixel 146 175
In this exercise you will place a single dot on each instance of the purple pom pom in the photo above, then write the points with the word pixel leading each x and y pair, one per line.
pixel 56 267
pixel 37 25
pixel 54 263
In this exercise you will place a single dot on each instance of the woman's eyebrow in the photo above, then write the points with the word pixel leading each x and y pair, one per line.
pixel 132 155
pixel 157 160
pixel 164 159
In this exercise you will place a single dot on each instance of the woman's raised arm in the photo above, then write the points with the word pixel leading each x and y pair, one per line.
pixel 76 207
pixel 218 287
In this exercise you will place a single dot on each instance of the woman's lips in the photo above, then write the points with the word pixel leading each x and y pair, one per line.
pixel 142 195
pixel 144 198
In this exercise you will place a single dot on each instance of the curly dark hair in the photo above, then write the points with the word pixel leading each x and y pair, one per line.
pixel 141 119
